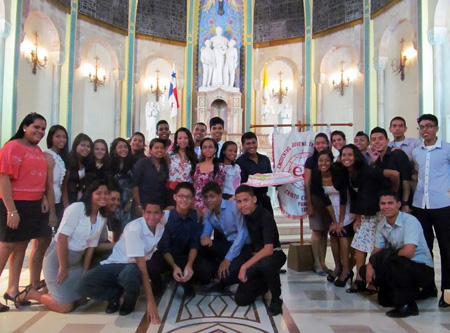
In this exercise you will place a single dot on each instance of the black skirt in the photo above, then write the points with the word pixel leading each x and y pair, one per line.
pixel 32 222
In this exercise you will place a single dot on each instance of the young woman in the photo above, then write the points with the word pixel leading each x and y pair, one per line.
pixel 365 184
pixel 319 218
pixel 183 161
pixel 209 169
pixel 137 144
pixel 101 156
pixel 333 180
pixel 80 163
pixel 337 141
pixel 23 174
pixel 121 165
pixel 70 253
pixel 233 171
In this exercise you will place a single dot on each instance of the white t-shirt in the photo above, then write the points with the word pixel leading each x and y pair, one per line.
pixel 82 233
pixel 136 241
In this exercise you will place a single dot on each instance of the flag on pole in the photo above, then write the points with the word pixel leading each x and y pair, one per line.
pixel 173 98
pixel 265 94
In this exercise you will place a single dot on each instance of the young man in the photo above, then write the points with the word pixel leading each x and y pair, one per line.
pixel 401 265
pixel 398 128
pixel 216 125
pixel 125 269
pixel 230 235
pixel 199 134
pixel 181 241
pixel 431 204
pixel 384 158
pixel 361 141
pixel 163 132
pixel 262 271
pixel 252 162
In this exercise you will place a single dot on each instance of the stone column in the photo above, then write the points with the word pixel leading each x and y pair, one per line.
pixel 437 36
pixel 57 58
pixel 5 28
pixel 320 80
pixel 118 76
pixel 136 115
pixel 381 67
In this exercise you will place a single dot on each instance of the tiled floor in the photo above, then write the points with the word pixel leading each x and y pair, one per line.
pixel 311 304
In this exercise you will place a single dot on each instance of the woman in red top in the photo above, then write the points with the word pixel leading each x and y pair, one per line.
pixel 23 174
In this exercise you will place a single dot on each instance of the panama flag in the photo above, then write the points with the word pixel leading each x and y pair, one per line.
pixel 265 94
pixel 173 98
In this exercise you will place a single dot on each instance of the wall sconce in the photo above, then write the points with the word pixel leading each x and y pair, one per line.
pixel 31 52
pixel 281 92
pixel 157 91
pixel 399 67
pixel 342 84
pixel 94 78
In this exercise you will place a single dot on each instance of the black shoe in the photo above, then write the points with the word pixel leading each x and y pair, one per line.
pixel 404 311
pixel 275 307
pixel 331 277
pixel 126 309
pixel 342 283
pixel 442 303
pixel 426 293
pixel 112 307
pixel 4 308
pixel 358 286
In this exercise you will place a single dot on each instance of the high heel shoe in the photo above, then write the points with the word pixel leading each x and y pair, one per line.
pixel 359 286
pixel 331 277
pixel 22 302
pixel 339 283
pixel 4 308
pixel 7 298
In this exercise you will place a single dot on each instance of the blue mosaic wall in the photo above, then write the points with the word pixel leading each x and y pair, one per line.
pixel 332 13
pixel 113 12
pixel 231 22
pixel 162 18
pixel 378 4
pixel 275 20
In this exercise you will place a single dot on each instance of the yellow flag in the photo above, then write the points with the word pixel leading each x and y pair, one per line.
pixel 265 94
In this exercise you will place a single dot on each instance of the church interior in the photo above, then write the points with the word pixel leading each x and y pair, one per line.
pixel 105 68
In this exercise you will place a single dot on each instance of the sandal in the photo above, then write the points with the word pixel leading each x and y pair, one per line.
pixel 18 302
pixel 359 286
pixel 40 285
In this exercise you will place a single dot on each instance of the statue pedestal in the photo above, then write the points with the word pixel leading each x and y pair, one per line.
pixel 300 257
pixel 231 112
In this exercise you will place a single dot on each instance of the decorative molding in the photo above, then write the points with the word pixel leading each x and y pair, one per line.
pixel 338 28
pixel 380 63
pixel 437 35
pixel 5 28
pixel 278 42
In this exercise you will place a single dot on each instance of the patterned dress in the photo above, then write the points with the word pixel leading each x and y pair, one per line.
pixel 179 170
pixel 200 179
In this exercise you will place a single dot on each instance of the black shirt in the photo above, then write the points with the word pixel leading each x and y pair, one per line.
pixel 181 234
pixel 151 182
pixel 250 167
pixel 262 229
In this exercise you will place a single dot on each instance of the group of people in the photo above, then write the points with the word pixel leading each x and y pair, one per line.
pixel 179 207
pixel 382 198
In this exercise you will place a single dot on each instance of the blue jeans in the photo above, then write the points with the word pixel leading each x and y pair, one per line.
pixel 108 282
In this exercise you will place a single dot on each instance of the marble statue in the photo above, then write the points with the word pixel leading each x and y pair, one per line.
pixel 207 59
pixel 220 46
pixel 231 62
pixel 151 115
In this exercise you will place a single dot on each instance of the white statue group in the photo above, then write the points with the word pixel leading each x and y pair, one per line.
pixel 219 58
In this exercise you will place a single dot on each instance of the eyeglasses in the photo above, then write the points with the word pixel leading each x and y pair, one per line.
pixel 184 197
pixel 427 126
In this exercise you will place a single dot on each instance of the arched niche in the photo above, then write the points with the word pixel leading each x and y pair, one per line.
pixel 34 91
pixel 276 111
pixel 345 104
pixel 149 108
pixel 401 97
pixel 93 111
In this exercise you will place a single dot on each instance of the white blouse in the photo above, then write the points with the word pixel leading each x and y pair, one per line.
pixel 59 171
pixel 82 233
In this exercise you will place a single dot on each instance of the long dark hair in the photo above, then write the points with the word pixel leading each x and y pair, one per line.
pixel 359 162
pixel 87 197
pixel 115 163
pixel 64 152
pixel 215 159
pixel 224 148
pixel 88 161
pixel 105 160
pixel 190 152
pixel 27 121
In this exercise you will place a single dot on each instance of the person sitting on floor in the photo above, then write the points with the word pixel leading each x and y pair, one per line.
pixel 401 265
pixel 125 269
pixel 262 271
pixel 181 241
pixel 230 235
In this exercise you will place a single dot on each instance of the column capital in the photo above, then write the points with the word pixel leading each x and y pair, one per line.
pixel 57 57
pixel 118 75
pixel 380 63
pixel 5 28
pixel 319 78
pixel 437 35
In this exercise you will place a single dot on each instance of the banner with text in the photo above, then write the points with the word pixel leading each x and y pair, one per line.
pixel 290 151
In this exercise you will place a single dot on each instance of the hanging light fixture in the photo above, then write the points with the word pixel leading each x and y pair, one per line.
pixel 281 92
pixel 94 78
pixel 342 84
pixel 157 91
